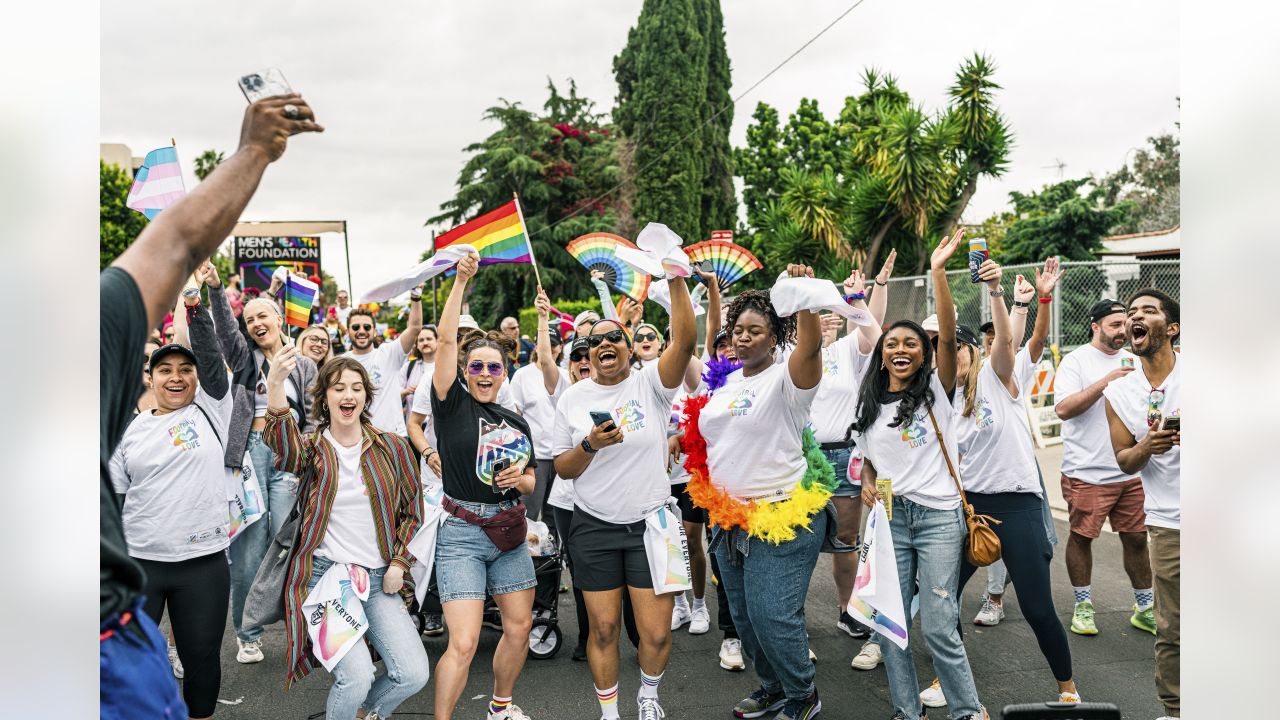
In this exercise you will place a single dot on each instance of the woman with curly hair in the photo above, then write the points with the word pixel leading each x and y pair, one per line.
pixel 767 491
pixel 905 425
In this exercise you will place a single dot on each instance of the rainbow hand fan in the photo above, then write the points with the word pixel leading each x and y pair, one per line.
pixel 730 262
pixel 596 252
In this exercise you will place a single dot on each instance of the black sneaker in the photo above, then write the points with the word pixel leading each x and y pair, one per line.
pixel 759 703
pixel 801 709
pixel 432 625
pixel 580 652
pixel 853 628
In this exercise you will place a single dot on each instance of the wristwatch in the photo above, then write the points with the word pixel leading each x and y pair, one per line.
pixel 586 447
pixel 998 292
pixel 1021 304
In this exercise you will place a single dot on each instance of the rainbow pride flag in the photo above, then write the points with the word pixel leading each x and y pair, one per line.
pixel 498 235
pixel 299 295
pixel 157 184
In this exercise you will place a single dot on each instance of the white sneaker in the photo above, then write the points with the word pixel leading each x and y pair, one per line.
pixel 932 695
pixel 731 655
pixel 991 613
pixel 249 652
pixel 680 615
pixel 812 658
pixel 510 712
pixel 868 657
pixel 175 663
pixel 700 621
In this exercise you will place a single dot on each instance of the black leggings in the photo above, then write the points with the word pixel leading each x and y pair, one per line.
pixel 1026 552
pixel 564 519
pixel 196 593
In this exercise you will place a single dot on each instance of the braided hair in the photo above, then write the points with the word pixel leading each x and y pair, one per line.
pixel 782 328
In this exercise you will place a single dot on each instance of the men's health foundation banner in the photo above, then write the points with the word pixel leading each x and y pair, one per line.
pixel 257 257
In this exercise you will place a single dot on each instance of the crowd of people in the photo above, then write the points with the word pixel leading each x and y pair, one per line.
pixel 398 463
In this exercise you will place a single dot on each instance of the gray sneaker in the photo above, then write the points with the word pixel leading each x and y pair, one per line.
pixel 761 702
pixel 650 709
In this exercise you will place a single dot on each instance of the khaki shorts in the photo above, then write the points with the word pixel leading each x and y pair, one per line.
pixel 1089 505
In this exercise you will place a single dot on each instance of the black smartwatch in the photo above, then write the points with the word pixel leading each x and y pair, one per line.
pixel 1020 304
pixel 586 447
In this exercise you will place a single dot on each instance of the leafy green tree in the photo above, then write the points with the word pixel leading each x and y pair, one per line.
pixel 118 225
pixel 1059 220
pixel 760 164
pixel 206 162
pixel 1152 182
pixel 719 198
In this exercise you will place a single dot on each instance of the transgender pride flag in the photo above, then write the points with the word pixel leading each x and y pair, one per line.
pixel 157 184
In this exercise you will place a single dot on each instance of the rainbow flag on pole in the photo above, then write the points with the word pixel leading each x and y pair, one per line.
pixel 498 235
pixel 299 295
pixel 157 184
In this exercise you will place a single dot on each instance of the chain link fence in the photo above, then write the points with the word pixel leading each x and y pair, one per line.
pixel 1082 284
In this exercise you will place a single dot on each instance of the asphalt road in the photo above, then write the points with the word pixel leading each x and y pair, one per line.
pixel 1114 666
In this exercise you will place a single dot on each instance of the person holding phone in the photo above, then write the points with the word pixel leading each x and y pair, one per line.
pixel 486 455
pixel 904 420
pixel 611 441
pixel 1144 418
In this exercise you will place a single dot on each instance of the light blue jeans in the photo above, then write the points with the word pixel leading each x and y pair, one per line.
pixel 766 601
pixel 279 489
pixel 927 544
pixel 393 633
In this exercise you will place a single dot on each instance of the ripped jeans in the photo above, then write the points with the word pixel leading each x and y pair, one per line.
pixel 928 545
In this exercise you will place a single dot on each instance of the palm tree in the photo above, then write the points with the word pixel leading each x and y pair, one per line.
pixel 818 204
pixel 206 162
pixel 984 137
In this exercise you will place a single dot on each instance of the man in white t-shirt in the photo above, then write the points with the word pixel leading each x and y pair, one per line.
pixel 384 362
pixel 343 308
pixel 1144 414
pixel 1093 485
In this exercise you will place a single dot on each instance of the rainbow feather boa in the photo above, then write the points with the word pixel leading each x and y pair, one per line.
pixel 774 522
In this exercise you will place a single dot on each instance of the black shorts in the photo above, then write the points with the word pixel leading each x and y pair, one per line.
pixel 607 556
pixel 688 511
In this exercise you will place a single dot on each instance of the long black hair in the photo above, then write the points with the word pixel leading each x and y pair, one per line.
pixel 875 384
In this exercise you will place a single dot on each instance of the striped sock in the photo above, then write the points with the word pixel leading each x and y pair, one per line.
pixel 498 704
pixel 1083 593
pixel 608 702
pixel 649 684
pixel 1144 598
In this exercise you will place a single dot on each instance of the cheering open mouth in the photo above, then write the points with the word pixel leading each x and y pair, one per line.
pixel 607 358
pixel 901 362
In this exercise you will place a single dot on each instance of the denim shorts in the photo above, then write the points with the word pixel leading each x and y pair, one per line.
pixel 839 460
pixel 468 565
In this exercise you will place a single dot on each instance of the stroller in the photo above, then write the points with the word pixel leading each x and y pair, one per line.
pixel 545 637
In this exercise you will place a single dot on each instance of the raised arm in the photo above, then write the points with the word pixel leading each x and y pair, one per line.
pixel 714 311
pixel 210 369
pixel 608 311
pixel 1045 283
pixel 409 337
pixel 234 346
pixel 805 363
pixel 879 304
pixel 684 335
pixel 172 245
pixel 855 293
pixel 1002 348
pixel 446 371
pixel 946 310
pixel 546 358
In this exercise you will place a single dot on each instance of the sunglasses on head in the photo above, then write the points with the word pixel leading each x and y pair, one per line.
pixel 475 367
pixel 362 327
pixel 613 336
pixel 1154 400
pixel 646 337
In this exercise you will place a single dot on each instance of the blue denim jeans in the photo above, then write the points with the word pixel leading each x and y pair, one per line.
pixel 927 545
pixel 279 489
pixel 393 633
pixel 766 595
pixel 468 566
pixel 839 459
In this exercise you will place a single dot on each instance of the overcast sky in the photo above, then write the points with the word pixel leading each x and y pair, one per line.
pixel 401 87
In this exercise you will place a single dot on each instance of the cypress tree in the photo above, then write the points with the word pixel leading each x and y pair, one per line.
pixel 719 201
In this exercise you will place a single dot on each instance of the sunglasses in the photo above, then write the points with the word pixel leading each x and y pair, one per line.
pixel 646 337
pixel 1154 400
pixel 362 327
pixel 475 367
pixel 578 356
pixel 613 336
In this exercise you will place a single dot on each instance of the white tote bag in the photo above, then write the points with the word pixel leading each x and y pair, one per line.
pixel 667 549
pixel 244 497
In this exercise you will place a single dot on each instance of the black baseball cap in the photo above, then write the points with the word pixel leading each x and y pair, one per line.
pixel 720 335
pixel 986 327
pixel 160 352
pixel 1104 308
pixel 579 343
pixel 966 336
pixel 554 333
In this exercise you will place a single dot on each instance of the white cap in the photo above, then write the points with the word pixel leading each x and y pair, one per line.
pixel 467 322
pixel 585 315
pixel 930 323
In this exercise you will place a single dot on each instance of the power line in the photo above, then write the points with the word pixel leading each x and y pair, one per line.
pixel 718 113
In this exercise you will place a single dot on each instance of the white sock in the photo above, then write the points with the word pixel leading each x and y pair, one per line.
pixel 1144 598
pixel 608 702
pixel 699 603
pixel 649 684
pixel 682 601
pixel 1083 593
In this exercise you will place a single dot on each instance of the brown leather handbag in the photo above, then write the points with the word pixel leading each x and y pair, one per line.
pixel 983 545
pixel 506 530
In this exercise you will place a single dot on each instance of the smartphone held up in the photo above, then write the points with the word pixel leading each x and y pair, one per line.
pixel 264 84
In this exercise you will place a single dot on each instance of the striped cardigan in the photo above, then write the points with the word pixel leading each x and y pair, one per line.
pixel 395 492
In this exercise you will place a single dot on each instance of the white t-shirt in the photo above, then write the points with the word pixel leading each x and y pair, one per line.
pixel 529 393
pixel 170 470
pixel 836 405
pixel 753 428
pixel 995 443
pixel 910 455
pixel 343 313
pixel 626 481
pixel 1086 443
pixel 260 390
pixel 1130 398
pixel 562 495
pixel 350 536
pixel 384 365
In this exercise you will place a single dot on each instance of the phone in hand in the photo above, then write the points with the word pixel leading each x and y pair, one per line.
pixel 496 470
pixel 977 255
pixel 264 84
pixel 1172 422
pixel 600 418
